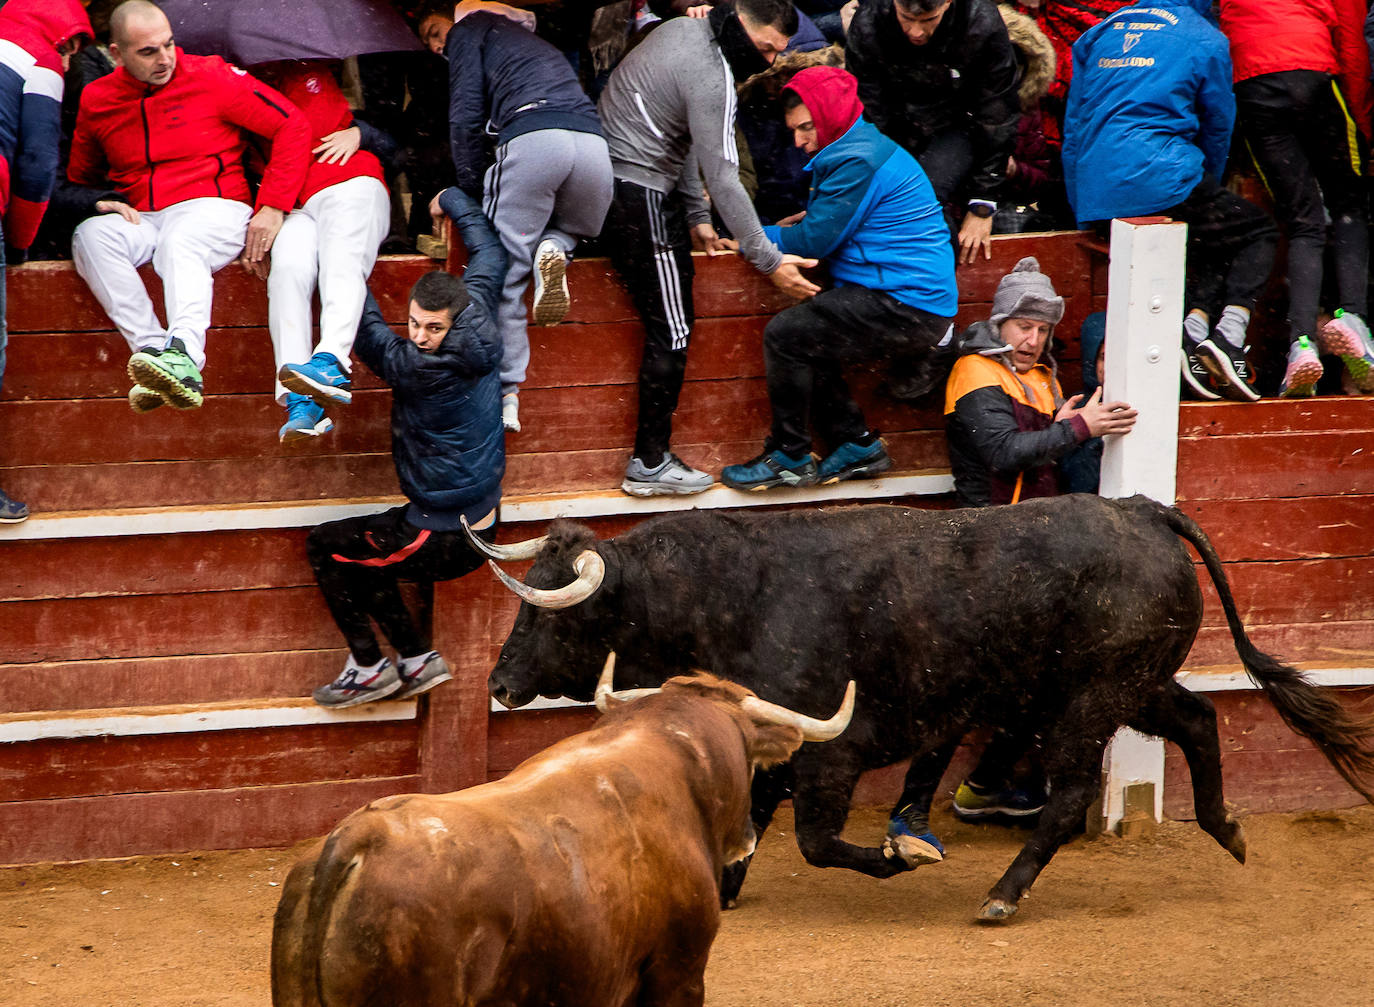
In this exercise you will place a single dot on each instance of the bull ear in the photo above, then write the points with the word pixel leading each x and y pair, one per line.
pixel 773 744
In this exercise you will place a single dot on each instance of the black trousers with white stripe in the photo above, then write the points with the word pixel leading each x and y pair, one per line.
pixel 646 234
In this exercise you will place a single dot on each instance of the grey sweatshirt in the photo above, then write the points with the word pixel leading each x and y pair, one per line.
pixel 670 106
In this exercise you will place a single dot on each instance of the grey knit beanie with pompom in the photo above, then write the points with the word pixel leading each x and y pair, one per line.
pixel 1026 292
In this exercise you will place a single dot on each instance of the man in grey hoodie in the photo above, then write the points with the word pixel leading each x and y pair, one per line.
pixel 668 112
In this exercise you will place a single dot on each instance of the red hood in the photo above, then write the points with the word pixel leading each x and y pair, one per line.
pixel 831 96
pixel 40 26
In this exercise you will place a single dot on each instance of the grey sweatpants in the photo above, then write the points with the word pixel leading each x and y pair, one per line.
pixel 551 183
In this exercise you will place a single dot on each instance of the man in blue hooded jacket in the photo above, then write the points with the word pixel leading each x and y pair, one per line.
pixel 449 448
pixel 874 217
pixel 1147 131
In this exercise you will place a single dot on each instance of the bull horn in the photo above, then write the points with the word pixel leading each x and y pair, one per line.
pixel 605 692
pixel 590 567
pixel 505 553
pixel 811 728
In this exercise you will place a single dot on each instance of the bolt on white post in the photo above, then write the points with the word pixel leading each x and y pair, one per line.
pixel 1145 283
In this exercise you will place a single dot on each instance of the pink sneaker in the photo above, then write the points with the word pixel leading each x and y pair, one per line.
pixel 1303 373
pixel 1347 336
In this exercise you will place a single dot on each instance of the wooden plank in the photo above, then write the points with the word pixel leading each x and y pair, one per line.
pixel 116 485
pixel 86 767
pixel 155 564
pixel 1289 528
pixel 1347 643
pixel 1275 416
pixel 164 625
pixel 157 681
pixel 1262 782
pixel 1336 590
pixel 131 824
pixel 240 299
pixel 164 680
pixel 1277 465
pixel 454 720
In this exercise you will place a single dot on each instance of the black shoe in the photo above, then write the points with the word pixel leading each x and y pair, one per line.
pixel 1196 378
pixel 1229 368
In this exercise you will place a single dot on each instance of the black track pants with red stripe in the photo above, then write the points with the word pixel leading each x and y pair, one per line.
pixel 359 563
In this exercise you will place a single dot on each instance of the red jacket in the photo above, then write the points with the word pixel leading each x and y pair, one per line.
pixel 1269 36
pixel 185 139
pixel 311 87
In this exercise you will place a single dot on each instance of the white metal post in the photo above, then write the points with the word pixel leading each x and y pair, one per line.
pixel 1145 283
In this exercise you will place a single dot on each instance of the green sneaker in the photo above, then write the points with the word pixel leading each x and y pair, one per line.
pixel 971 803
pixel 170 373
pixel 143 400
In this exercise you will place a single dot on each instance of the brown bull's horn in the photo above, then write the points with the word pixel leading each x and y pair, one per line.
pixel 811 728
pixel 590 567
pixel 505 553
pixel 605 692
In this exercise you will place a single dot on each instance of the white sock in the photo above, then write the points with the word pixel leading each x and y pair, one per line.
pixel 1233 323
pixel 1195 326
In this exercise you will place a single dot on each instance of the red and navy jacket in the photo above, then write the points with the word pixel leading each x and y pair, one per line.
pixel 311 87
pixel 184 140
pixel 31 107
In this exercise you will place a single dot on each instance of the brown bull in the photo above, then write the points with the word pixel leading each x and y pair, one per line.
pixel 588 876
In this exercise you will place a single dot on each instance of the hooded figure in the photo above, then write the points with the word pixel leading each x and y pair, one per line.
pixel 38 35
pixel 873 216
pixel 1005 416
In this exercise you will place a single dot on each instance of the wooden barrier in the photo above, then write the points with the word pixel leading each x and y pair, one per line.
pixel 162 582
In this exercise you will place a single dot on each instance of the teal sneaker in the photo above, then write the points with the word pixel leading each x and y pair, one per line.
pixel 322 378
pixel 1347 336
pixel 170 373
pixel 143 400
pixel 772 468
pixel 852 460
pixel 909 838
pixel 305 420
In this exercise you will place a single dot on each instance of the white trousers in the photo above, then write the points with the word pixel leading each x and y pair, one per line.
pixel 333 240
pixel 188 243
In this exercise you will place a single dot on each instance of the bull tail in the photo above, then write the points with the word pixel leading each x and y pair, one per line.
pixel 1345 738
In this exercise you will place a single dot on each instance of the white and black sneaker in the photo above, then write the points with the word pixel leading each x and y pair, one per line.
pixel 670 477
pixel 1196 378
pixel 357 684
pixel 420 674
pixel 1229 367
pixel 550 283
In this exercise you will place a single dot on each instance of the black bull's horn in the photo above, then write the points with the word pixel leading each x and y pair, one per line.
pixel 811 728
pixel 590 567
pixel 504 553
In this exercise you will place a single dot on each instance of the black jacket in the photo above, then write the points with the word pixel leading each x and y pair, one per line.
pixel 964 78
pixel 446 435
pixel 505 81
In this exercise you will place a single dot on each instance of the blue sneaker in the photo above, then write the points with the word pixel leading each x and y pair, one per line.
pixel 915 847
pixel 322 379
pixel 772 468
pixel 12 511
pixel 304 420
pixel 852 460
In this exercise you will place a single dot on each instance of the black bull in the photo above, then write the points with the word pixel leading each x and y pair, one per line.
pixel 1064 618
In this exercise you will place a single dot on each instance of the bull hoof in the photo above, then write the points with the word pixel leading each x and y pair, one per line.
pixel 996 911
pixel 1236 846
pixel 911 851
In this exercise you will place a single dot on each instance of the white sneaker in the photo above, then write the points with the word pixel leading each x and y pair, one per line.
pixel 357 684
pixel 670 477
pixel 510 412
pixel 550 283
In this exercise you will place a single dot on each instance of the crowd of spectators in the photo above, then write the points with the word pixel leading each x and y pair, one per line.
pixel 889 139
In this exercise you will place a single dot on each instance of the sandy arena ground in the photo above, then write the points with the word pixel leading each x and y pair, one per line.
pixel 1168 920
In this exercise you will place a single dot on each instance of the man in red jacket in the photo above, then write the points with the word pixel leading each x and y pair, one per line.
pixel 169 130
